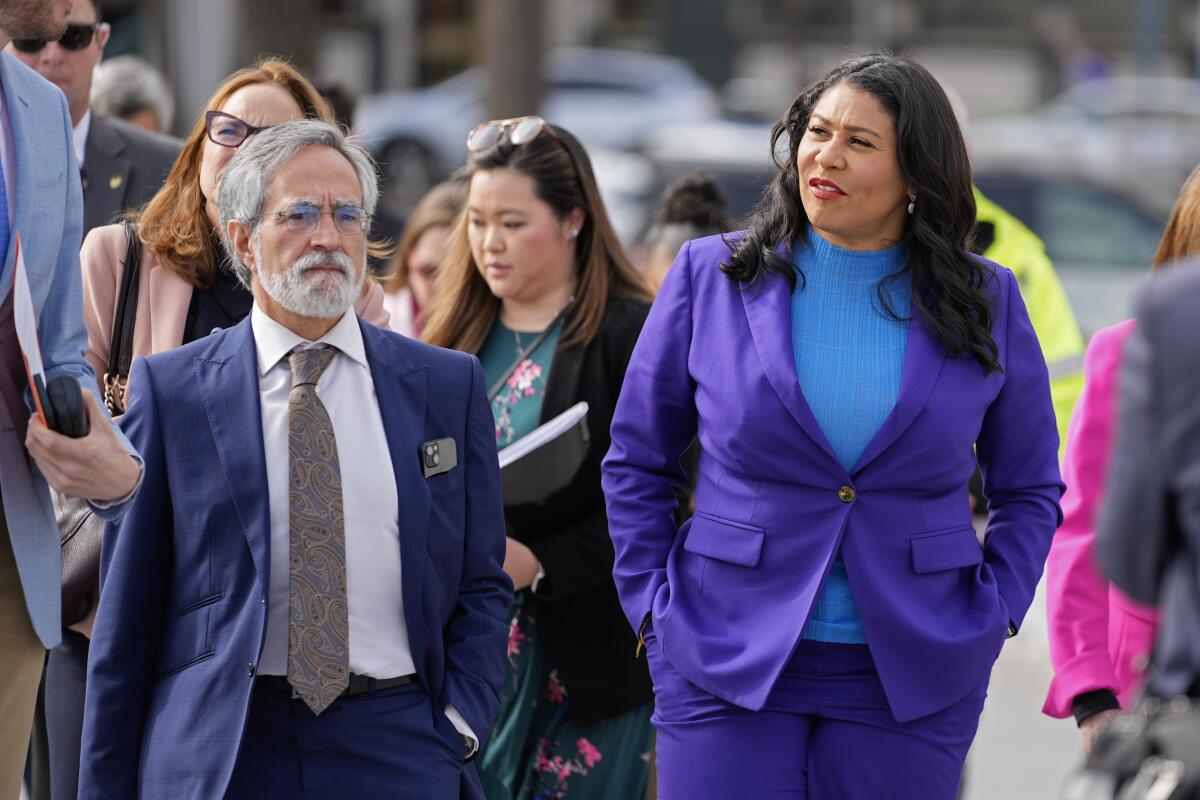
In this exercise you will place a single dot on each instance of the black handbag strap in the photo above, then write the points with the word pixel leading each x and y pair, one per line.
pixel 541 337
pixel 120 351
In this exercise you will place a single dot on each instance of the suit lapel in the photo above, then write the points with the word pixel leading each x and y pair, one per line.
pixel 107 172
pixel 562 388
pixel 228 383
pixel 769 312
pixel 923 359
pixel 401 389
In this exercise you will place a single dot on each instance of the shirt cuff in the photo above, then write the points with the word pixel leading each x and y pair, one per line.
pixel 1091 703
pixel 460 725
pixel 104 505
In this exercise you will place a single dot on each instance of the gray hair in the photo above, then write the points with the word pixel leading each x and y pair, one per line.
pixel 125 85
pixel 242 195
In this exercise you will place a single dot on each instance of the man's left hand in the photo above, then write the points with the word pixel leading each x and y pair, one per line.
pixel 93 467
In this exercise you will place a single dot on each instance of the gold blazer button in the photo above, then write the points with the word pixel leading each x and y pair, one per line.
pixel 846 494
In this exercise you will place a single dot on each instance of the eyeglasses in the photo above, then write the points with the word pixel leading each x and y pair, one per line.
pixel 520 130
pixel 75 37
pixel 304 218
pixel 227 130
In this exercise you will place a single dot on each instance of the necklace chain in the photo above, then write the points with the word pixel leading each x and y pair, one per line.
pixel 522 353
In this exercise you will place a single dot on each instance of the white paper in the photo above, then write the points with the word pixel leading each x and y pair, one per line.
pixel 24 318
pixel 547 432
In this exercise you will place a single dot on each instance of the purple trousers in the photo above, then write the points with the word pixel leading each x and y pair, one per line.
pixel 825 733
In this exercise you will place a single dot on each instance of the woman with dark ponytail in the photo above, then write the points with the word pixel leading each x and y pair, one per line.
pixel 825 624
pixel 694 205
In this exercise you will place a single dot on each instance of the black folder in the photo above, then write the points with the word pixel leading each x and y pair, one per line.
pixel 546 459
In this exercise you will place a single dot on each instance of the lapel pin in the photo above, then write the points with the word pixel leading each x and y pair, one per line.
pixel 114 182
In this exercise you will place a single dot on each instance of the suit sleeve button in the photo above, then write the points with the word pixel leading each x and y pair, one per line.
pixel 250 669
pixel 846 494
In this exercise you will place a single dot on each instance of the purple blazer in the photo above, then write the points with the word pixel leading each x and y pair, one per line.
pixel 730 590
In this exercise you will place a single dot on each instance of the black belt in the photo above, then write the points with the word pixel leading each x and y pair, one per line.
pixel 359 684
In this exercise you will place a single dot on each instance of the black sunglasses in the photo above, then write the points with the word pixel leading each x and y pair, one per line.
pixel 75 37
pixel 227 130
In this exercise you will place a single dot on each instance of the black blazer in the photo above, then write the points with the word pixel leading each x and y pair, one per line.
pixel 123 167
pixel 590 643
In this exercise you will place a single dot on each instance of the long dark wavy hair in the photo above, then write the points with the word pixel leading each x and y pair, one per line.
pixel 948 283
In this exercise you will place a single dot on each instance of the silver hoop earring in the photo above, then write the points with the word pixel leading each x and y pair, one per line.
pixel 912 203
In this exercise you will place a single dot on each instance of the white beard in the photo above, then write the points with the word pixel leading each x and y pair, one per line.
pixel 325 295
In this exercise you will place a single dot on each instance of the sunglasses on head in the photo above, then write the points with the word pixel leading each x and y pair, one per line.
pixel 75 37
pixel 227 130
pixel 519 130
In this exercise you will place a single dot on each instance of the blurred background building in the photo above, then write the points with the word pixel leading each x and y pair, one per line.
pixel 1010 55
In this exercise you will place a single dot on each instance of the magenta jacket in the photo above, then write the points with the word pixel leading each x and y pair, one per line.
pixel 1099 638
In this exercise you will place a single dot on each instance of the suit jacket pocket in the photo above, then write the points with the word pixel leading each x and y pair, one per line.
pixel 191 662
pixel 943 550
pixel 725 540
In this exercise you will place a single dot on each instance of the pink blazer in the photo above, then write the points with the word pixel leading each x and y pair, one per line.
pixel 1099 639
pixel 163 299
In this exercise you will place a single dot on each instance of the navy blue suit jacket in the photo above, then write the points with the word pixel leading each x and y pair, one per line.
pixel 184 578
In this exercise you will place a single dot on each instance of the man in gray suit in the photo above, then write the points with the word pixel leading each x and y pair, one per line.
pixel 121 165
pixel 40 200
pixel 1148 542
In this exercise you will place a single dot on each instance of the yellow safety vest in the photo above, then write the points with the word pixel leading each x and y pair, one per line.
pixel 1015 246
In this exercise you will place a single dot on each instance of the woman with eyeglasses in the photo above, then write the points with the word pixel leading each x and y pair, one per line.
pixel 185 287
pixel 411 284
pixel 537 285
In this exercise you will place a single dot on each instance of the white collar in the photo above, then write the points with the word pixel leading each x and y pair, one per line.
pixel 274 341
pixel 79 135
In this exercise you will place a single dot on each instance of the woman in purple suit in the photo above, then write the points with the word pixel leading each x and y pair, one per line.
pixel 825 626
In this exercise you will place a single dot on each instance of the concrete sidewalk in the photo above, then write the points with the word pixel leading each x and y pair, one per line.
pixel 1019 753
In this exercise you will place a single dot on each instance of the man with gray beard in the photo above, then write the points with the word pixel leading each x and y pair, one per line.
pixel 306 598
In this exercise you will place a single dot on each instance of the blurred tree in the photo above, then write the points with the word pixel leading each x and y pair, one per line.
pixel 699 32
pixel 513 33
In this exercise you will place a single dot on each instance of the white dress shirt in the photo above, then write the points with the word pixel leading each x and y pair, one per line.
pixel 379 644
pixel 378 633
pixel 79 136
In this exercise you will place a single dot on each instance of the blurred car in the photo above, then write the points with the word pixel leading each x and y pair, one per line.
pixel 1142 131
pixel 1099 236
pixel 609 98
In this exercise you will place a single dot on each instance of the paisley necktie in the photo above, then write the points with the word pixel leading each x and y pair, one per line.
pixel 318 613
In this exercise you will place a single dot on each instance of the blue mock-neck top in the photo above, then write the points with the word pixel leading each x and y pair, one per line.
pixel 849 355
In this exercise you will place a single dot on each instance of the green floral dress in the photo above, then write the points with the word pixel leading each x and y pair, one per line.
pixel 535 751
